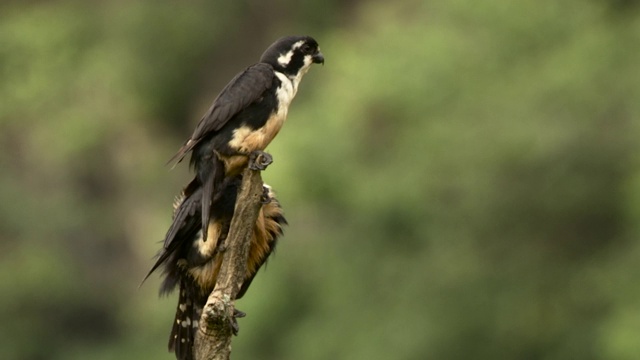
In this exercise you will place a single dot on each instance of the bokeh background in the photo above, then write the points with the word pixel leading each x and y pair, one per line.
pixel 462 178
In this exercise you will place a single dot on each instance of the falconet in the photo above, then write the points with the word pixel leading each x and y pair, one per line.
pixel 246 115
pixel 192 264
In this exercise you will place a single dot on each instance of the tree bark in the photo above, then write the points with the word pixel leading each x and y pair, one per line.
pixel 213 338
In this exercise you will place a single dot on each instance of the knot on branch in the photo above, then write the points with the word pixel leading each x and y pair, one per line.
pixel 218 315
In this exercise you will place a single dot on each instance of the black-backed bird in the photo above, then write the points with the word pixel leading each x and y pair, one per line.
pixel 192 264
pixel 247 114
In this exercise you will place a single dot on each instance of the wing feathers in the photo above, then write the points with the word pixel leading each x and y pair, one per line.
pixel 242 90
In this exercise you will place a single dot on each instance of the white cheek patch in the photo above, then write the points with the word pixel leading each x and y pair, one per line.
pixel 284 59
pixel 308 60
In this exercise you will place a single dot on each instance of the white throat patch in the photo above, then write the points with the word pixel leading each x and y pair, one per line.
pixel 289 86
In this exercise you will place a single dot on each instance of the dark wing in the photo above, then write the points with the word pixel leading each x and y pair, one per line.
pixel 185 225
pixel 184 217
pixel 242 90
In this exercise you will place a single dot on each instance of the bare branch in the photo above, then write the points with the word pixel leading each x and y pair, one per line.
pixel 213 338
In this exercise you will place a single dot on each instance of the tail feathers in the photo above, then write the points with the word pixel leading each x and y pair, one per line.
pixel 213 179
pixel 177 158
pixel 183 224
pixel 163 258
pixel 207 197
pixel 185 211
pixel 185 325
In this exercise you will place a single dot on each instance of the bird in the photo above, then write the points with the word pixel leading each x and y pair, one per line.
pixel 246 115
pixel 192 264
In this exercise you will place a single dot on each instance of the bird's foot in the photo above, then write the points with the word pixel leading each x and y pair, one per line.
pixel 265 198
pixel 235 328
pixel 221 246
pixel 259 160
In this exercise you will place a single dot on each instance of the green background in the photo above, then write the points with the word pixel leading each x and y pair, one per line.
pixel 461 178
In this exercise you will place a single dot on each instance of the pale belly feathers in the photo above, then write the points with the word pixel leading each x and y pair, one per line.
pixel 246 140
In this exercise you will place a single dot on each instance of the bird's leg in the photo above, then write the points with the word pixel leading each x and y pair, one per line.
pixel 259 160
pixel 224 233
pixel 221 246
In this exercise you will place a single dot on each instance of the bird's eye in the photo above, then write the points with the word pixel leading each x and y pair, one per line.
pixel 306 49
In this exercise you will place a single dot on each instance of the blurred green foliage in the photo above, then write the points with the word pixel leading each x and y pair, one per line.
pixel 462 178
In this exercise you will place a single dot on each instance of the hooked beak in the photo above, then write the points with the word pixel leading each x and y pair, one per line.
pixel 318 58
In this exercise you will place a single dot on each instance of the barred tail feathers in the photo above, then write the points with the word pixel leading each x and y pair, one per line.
pixel 186 321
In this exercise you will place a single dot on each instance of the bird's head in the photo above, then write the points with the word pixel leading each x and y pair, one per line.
pixel 293 55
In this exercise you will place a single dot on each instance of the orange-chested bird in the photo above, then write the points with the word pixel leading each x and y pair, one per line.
pixel 193 264
pixel 247 114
